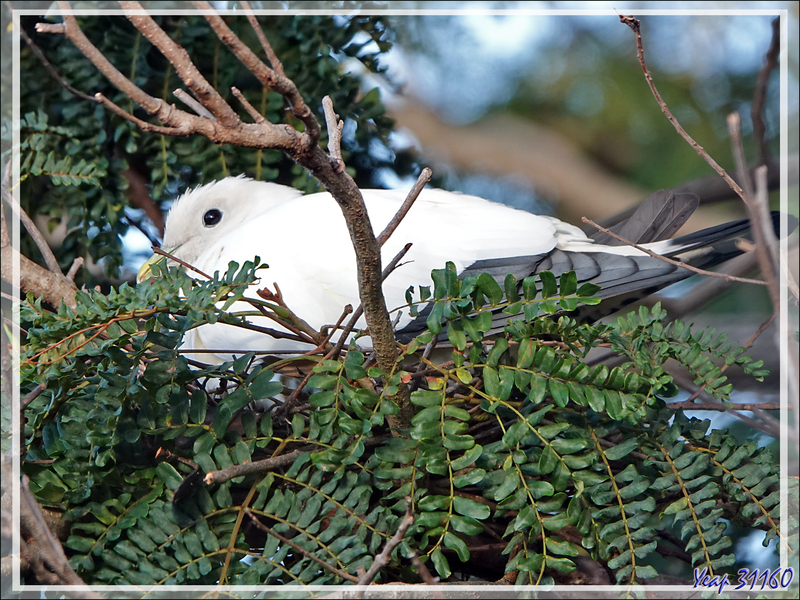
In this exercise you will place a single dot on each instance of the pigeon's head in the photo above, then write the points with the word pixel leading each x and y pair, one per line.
pixel 206 214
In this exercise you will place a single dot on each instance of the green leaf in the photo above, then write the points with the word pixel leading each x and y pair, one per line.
pixel 622 449
pixel 454 542
pixel 440 563
pixel 471 508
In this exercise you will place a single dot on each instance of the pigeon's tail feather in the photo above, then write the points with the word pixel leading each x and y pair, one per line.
pixel 658 218
pixel 714 245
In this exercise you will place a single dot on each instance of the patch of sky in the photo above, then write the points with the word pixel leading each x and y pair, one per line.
pixel 751 551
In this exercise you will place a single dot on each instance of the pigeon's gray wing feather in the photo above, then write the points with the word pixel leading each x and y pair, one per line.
pixel 658 218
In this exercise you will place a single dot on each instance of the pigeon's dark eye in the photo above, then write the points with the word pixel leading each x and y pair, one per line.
pixel 212 217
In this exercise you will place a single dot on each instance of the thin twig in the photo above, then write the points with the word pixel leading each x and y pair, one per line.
pixel 51 69
pixel 677 263
pixel 634 25
pixel 72 31
pixel 49 258
pixel 271 56
pixel 193 104
pixel 758 208
pixel 140 226
pixel 413 194
pixel 383 557
pixel 143 125
pixel 257 116
pixel 267 76
pixel 287 405
pixel 300 549
pixel 180 59
pixel 253 468
pixel 50 564
pixel 31 396
pixel 53 287
pixel 73 270
pixel 183 263
pixel 425 573
pixel 335 127
pixel 689 404
pixel 760 94
pixel 292 322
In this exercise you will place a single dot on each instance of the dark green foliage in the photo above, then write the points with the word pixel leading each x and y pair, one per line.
pixel 516 439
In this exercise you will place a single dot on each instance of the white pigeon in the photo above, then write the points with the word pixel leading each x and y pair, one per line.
pixel 304 240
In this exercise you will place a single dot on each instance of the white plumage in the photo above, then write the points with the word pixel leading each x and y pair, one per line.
pixel 304 240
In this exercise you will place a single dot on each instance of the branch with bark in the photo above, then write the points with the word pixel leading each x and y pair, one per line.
pixel 226 127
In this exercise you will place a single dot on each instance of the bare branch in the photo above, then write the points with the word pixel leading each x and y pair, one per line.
pixel 327 566
pixel 31 396
pixel 184 67
pixel 283 85
pixel 49 258
pixel 51 286
pixel 413 194
pixel 634 25
pixel 677 263
pixel 193 104
pixel 689 404
pixel 271 56
pixel 758 207
pixel 760 95
pixel 383 557
pixel 360 310
pixel 335 127
pixel 73 33
pixel 255 467
pixel 257 116
pixel 143 125
pixel 73 270
pixel 50 68
pixel 43 550
pixel 160 252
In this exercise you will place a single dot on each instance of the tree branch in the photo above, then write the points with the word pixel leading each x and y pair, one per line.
pixel 193 104
pixel 413 194
pixel 255 467
pixel 53 287
pixel 383 557
pixel 758 208
pixel 257 116
pixel 184 67
pixel 40 549
pixel 760 94
pixel 271 56
pixel 335 127
pixel 281 84
pixel 634 24
pixel 327 566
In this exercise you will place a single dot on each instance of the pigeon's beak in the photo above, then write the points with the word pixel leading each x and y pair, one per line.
pixel 144 271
